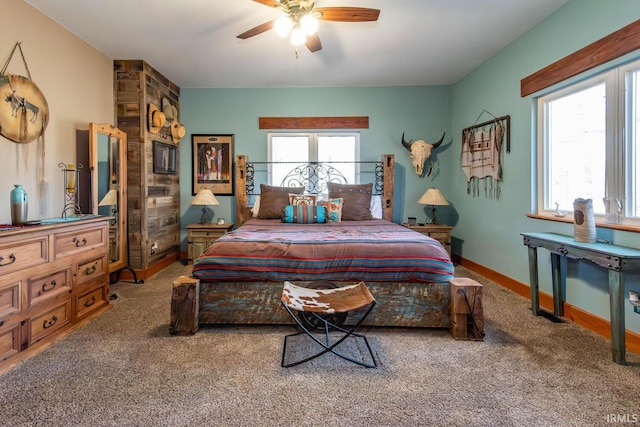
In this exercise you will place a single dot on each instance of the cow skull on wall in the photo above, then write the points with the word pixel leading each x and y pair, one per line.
pixel 420 152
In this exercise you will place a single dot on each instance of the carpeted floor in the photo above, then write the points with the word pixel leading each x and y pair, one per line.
pixel 125 369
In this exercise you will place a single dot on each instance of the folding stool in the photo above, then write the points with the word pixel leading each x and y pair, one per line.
pixel 326 309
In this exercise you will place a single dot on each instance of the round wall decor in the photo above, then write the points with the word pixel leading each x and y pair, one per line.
pixel 24 112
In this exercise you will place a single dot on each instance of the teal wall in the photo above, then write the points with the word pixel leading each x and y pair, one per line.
pixel 486 230
pixel 421 112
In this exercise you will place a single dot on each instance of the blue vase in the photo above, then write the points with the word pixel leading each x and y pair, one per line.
pixel 19 205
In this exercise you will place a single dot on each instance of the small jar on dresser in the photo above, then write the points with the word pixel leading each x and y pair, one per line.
pixel 201 236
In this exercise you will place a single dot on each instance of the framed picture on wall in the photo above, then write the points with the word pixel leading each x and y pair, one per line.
pixel 165 158
pixel 213 163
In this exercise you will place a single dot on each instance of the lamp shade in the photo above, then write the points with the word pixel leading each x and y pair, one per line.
pixel 433 196
pixel 205 197
pixel 109 199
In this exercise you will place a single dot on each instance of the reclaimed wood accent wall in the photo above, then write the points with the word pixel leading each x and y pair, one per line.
pixel 153 199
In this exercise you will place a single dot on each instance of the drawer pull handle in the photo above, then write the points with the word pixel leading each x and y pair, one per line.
pixel 91 270
pixel 79 242
pixel 49 323
pixel 89 303
pixel 12 259
pixel 46 287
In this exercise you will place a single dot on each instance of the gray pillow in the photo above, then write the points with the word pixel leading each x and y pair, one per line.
pixel 356 201
pixel 274 199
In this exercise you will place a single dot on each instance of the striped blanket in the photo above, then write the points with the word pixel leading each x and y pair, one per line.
pixel 374 250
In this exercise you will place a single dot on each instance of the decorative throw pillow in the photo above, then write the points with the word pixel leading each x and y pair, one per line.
pixel 376 207
pixel 334 209
pixel 256 207
pixel 304 199
pixel 274 199
pixel 356 200
pixel 304 214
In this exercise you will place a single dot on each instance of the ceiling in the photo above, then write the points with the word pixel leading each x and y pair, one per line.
pixel 194 44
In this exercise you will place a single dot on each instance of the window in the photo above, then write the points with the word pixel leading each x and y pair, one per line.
pixel 297 148
pixel 588 146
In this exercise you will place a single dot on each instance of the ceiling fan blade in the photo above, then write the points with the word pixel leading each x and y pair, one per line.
pixel 270 3
pixel 313 43
pixel 257 30
pixel 348 14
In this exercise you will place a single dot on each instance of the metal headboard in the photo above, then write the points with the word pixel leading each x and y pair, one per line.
pixel 315 176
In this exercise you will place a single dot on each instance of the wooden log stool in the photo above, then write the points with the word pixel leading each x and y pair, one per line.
pixel 467 318
pixel 185 301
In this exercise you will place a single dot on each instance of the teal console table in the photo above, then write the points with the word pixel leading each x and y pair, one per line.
pixel 616 259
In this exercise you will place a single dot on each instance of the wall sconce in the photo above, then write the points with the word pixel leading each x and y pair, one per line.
pixel 433 197
pixel 205 197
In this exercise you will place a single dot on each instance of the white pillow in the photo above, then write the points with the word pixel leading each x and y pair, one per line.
pixel 256 207
pixel 376 207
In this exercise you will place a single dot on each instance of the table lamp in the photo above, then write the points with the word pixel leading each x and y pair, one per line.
pixel 204 198
pixel 433 197
pixel 111 199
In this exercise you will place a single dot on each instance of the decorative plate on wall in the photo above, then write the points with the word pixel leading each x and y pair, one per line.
pixel 24 112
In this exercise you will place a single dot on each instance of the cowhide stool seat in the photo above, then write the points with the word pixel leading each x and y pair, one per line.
pixel 325 310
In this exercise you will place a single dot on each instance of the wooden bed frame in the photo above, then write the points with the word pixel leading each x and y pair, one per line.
pixel 398 304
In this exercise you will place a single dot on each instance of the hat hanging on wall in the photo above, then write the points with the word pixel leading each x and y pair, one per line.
pixel 155 118
pixel 177 131
pixel 169 110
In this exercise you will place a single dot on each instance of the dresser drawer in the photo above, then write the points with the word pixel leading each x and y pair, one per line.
pixel 19 255
pixel 442 237
pixel 9 341
pixel 10 299
pixel 91 269
pixel 48 286
pixel 207 233
pixel 90 301
pixel 73 242
pixel 50 321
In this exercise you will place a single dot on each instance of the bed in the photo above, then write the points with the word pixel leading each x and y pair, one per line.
pixel 241 275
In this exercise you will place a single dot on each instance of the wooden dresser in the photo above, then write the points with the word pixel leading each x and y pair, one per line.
pixel 52 278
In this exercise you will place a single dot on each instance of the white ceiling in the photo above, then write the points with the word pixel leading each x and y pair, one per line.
pixel 194 44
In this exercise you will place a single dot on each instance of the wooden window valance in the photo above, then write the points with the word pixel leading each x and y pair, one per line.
pixel 349 122
pixel 616 44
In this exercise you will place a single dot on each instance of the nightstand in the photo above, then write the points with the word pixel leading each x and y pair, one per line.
pixel 440 232
pixel 201 236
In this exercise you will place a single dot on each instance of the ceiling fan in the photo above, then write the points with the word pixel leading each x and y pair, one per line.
pixel 301 20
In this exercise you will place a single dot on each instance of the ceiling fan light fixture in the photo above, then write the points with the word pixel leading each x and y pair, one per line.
pixel 283 26
pixel 297 36
pixel 309 24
